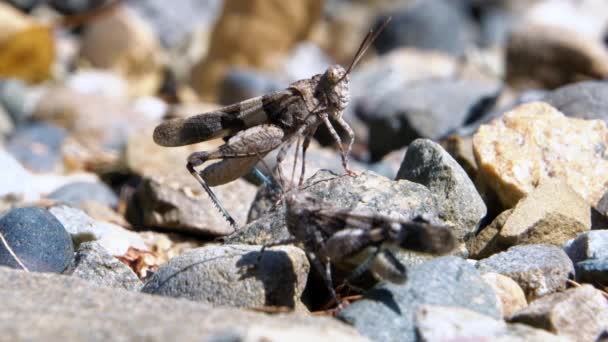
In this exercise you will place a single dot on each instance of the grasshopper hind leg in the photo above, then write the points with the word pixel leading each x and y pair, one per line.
pixel 211 194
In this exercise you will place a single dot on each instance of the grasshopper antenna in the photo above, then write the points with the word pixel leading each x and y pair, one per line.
pixel 365 44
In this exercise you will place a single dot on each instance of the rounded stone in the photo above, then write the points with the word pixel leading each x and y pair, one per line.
pixel 37 238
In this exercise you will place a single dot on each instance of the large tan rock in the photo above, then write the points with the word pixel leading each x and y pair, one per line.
pixel 254 34
pixel 534 142
pixel 553 213
pixel 547 56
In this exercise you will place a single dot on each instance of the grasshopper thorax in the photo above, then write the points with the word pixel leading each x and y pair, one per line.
pixel 334 85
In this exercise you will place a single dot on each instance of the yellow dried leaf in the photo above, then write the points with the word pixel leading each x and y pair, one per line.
pixel 28 54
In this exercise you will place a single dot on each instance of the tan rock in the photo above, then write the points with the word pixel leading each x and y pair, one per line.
pixel 534 142
pixel 510 295
pixel 546 56
pixel 553 213
pixel 580 313
pixel 486 242
pixel 255 34
pixel 123 42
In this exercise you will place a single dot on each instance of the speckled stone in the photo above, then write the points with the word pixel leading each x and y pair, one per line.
pixel 534 142
pixel 539 269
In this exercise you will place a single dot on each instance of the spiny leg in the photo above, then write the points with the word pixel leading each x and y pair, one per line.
pixel 211 194
pixel 338 141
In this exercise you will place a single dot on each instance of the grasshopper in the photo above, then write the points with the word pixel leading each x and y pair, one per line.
pixel 331 235
pixel 254 127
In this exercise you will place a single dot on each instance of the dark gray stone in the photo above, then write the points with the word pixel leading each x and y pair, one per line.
pixel 538 269
pixel 592 271
pixel 94 264
pixel 427 163
pixel 76 194
pixel 38 146
pixel 585 100
pixel 426 109
pixel 224 275
pixel 442 25
pixel 589 245
pixel 49 307
pixel 387 312
pixel 37 238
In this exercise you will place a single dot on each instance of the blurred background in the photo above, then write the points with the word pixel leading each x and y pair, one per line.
pixel 84 82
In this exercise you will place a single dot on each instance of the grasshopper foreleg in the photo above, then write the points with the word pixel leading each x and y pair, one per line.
pixel 336 136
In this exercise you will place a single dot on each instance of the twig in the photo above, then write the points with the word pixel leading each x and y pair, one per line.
pixel 575 284
pixel 12 253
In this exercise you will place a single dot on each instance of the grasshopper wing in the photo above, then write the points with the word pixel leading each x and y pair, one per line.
pixel 225 121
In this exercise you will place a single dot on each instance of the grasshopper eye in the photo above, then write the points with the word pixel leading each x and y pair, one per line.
pixel 334 73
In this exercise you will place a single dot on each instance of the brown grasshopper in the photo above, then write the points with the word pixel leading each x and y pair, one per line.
pixel 259 125
pixel 332 235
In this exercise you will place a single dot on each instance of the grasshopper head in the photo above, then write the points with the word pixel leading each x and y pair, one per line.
pixel 335 84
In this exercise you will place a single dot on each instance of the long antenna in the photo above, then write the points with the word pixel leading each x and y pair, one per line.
pixel 365 44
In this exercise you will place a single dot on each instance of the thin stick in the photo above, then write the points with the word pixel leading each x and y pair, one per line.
pixel 12 253
pixel 575 284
